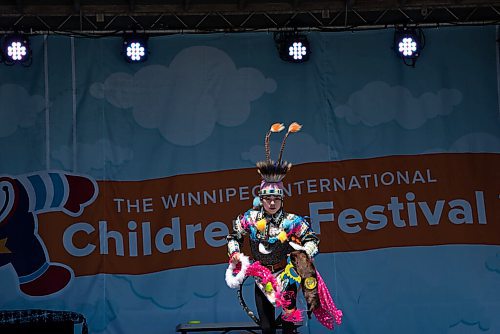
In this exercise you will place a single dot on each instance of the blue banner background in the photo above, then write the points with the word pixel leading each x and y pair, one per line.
pixel 203 103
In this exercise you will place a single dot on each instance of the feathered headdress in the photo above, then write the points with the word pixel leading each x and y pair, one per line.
pixel 273 172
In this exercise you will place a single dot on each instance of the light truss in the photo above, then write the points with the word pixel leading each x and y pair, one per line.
pixel 234 16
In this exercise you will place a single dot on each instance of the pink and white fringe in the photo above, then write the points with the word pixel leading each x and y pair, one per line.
pixel 265 276
pixel 327 313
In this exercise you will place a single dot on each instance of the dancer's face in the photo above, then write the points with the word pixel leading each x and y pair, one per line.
pixel 272 204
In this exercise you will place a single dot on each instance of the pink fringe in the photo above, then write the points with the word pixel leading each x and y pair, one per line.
pixel 295 316
pixel 294 230
pixel 265 276
pixel 237 269
pixel 327 313
pixel 244 223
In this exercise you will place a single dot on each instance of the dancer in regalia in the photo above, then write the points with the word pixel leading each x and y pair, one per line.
pixel 282 247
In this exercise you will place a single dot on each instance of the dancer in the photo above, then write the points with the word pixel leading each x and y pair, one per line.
pixel 281 243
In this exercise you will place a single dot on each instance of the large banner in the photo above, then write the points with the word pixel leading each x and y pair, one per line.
pixel 148 226
pixel 119 182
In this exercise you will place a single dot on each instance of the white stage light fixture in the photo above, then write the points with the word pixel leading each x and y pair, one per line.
pixel 16 50
pixel 135 48
pixel 292 47
pixel 408 44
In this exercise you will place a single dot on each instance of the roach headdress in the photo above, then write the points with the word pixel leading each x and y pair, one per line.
pixel 273 172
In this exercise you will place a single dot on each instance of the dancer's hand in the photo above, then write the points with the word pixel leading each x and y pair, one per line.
pixel 235 258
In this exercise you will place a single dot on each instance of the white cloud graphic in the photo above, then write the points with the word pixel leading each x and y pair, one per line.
pixel 463 328
pixel 19 109
pixel 435 283
pixel 300 147
pixel 493 263
pixel 93 156
pixel 472 142
pixel 201 88
pixel 378 103
pixel 176 296
pixel 476 142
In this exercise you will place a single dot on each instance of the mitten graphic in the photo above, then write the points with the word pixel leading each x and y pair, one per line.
pixel 21 199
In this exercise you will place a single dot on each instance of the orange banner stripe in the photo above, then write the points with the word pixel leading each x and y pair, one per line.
pixel 148 226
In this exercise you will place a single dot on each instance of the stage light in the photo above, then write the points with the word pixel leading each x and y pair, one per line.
pixel 16 49
pixel 408 44
pixel 292 47
pixel 135 49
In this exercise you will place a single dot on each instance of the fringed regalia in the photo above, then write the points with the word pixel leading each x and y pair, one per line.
pixel 282 247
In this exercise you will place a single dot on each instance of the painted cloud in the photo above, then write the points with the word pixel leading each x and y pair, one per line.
pixel 472 142
pixel 19 109
pixel 378 103
pixel 305 149
pixel 493 263
pixel 201 88
pixel 92 156
pixel 476 142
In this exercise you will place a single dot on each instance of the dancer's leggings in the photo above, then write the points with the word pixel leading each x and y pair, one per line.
pixel 266 311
